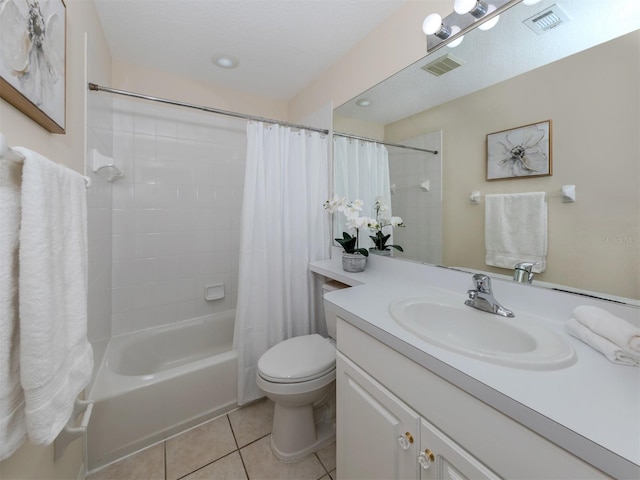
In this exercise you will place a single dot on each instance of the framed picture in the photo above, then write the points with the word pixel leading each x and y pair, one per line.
pixel 521 152
pixel 33 59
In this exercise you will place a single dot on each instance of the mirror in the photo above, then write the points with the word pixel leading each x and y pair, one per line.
pixel 584 76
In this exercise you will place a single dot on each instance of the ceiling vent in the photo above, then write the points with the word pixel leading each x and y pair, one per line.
pixel 547 19
pixel 442 65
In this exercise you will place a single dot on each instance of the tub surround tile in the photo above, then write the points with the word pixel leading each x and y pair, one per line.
pixel 263 465
pixel 145 465
pixel 227 468
pixel 198 447
pixel 252 421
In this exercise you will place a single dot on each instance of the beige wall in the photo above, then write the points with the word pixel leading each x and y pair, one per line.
pixel 161 84
pixel 394 45
pixel 592 99
pixel 31 462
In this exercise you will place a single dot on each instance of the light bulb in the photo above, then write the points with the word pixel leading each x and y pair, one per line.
pixel 530 2
pixel 464 6
pixel 491 23
pixel 455 29
pixel 432 24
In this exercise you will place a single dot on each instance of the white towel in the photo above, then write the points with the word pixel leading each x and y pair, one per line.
pixel 609 349
pixel 615 329
pixel 516 230
pixel 12 424
pixel 56 360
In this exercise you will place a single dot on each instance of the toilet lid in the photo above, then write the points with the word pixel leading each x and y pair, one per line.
pixel 298 359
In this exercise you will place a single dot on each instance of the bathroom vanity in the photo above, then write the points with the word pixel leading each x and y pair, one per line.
pixel 408 408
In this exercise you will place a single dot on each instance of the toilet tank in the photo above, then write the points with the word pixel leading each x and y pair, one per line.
pixel 330 320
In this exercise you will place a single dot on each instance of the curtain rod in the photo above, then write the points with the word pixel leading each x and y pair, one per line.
pixel 99 88
pixel 355 137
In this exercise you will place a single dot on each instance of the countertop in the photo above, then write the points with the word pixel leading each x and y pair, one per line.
pixel 591 408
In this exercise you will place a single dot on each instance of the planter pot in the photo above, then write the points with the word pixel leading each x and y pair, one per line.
pixel 384 253
pixel 353 262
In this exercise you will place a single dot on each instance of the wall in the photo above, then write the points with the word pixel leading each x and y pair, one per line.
pixel 594 242
pixel 176 213
pixel 394 45
pixel 31 462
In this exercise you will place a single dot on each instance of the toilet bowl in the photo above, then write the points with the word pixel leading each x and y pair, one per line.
pixel 299 375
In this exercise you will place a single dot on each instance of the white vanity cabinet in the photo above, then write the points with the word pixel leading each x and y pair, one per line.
pixel 392 411
pixel 380 437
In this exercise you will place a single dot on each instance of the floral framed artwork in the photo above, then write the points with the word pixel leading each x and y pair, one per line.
pixel 521 152
pixel 33 59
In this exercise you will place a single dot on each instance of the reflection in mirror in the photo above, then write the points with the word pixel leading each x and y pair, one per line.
pixel 583 77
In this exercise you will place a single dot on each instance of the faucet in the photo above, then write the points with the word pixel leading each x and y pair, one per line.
pixel 482 297
pixel 522 272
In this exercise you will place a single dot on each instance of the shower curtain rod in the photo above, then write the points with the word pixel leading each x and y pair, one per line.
pixel 99 88
pixel 365 139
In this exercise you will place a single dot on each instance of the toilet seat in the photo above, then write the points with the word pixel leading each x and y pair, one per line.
pixel 298 359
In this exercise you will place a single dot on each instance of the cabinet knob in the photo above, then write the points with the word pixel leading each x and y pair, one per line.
pixel 405 440
pixel 426 458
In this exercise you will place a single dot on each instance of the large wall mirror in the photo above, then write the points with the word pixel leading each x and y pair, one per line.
pixel 584 76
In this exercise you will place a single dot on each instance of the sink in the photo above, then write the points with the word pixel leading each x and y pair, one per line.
pixel 514 342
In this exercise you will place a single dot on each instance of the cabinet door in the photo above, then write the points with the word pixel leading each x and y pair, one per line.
pixel 443 459
pixel 377 434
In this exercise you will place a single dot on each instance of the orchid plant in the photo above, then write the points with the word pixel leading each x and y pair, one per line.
pixel 382 220
pixel 351 210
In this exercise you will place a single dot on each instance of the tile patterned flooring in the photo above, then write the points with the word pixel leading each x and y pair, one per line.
pixel 234 446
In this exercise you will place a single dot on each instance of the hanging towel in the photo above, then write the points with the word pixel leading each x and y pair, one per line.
pixel 609 349
pixel 614 329
pixel 56 360
pixel 516 230
pixel 12 424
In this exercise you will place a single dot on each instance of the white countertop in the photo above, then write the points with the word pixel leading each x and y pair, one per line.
pixel 591 408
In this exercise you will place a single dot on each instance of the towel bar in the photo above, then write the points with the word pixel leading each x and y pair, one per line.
pixel 69 433
pixel 568 194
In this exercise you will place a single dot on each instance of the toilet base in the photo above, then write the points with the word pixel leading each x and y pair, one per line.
pixel 325 435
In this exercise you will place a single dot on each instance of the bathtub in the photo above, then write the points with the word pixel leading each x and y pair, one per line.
pixel 158 382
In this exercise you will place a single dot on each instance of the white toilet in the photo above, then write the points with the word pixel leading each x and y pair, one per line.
pixel 299 375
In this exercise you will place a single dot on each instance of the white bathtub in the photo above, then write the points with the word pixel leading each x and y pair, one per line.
pixel 158 382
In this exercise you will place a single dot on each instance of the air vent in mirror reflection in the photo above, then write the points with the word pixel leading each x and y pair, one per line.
pixel 442 65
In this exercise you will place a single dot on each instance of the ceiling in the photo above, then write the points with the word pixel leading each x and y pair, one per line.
pixel 282 45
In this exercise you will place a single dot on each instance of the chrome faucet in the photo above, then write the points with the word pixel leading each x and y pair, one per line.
pixel 522 272
pixel 482 297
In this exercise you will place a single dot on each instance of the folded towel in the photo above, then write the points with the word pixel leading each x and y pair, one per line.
pixel 12 424
pixel 56 360
pixel 609 349
pixel 615 329
pixel 516 230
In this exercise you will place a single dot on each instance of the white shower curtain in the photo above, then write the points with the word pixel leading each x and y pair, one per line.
pixel 284 228
pixel 361 171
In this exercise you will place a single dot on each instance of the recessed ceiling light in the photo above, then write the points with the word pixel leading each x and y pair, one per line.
pixel 225 61
pixel 363 102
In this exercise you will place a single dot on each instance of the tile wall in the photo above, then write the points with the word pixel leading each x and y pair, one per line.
pixel 420 210
pixel 176 214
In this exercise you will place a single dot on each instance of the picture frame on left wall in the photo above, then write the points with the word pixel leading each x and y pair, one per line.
pixel 33 60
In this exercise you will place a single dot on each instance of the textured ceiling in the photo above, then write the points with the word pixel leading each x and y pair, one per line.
pixel 282 45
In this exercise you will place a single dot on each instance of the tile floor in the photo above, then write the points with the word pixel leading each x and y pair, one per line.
pixel 231 447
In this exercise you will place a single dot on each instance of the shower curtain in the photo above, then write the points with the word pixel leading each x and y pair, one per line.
pixel 361 171
pixel 283 229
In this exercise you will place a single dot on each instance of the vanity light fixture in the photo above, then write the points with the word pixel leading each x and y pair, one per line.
pixel 467 15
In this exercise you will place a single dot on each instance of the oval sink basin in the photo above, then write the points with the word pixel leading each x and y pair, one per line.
pixel 514 342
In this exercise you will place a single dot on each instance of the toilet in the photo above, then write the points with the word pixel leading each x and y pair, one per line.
pixel 299 375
